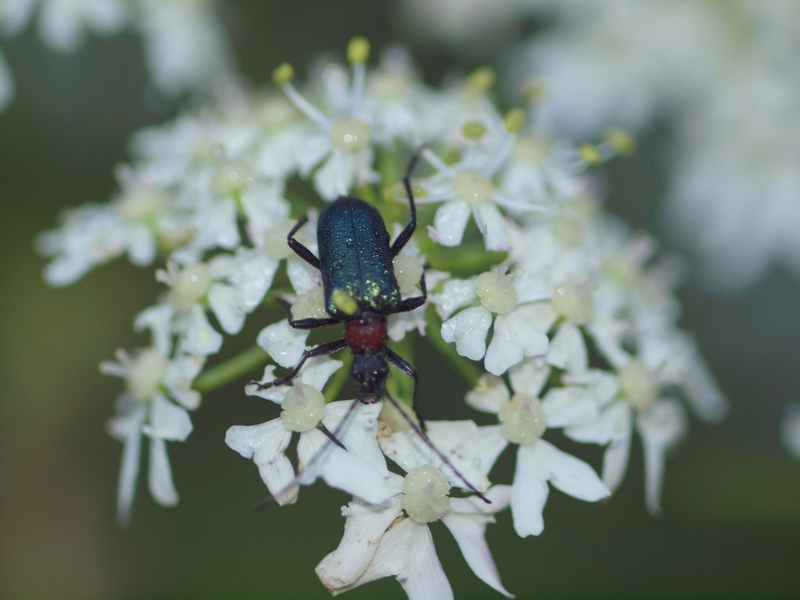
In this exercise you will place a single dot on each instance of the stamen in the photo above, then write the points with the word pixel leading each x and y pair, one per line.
pixel 473 130
pixel 283 76
pixel 426 492
pixel 481 79
pixel 303 408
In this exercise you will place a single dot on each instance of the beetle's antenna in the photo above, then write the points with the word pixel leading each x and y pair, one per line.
pixel 333 438
pixel 418 430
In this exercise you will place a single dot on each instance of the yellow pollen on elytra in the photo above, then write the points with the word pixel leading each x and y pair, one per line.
pixel 351 134
pixel 425 494
pixel 496 292
pixel 344 302
pixel 522 419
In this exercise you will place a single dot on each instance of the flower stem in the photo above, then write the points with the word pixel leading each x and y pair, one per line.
pixel 229 370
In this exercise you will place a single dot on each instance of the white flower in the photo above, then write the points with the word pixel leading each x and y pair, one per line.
pixel 523 420
pixel 520 325
pixel 151 378
pixel 357 468
pixel 395 540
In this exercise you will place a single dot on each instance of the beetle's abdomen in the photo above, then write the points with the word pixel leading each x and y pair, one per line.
pixel 354 257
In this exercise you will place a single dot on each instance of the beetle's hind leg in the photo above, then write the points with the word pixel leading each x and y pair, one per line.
pixel 402 365
pixel 410 304
pixel 298 248
pixel 322 350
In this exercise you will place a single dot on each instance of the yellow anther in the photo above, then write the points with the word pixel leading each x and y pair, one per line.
pixel 473 130
pixel 533 91
pixel 590 154
pixel 481 79
pixel 514 120
pixel 358 50
pixel 344 302
pixel 283 74
pixel 620 141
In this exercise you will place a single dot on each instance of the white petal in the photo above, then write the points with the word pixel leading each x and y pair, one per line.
pixel 489 396
pixel 360 434
pixel 284 344
pixel 513 339
pixel 702 392
pixel 159 476
pixel 179 377
pixel 568 350
pixel 265 444
pixel 569 407
pixel 200 337
pixel 302 275
pixel 6 85
pixel 529 376
pixel 158 319
pixel 572 475
pixel 227 306
pixel 167 421
pixel 661 428
pixel 492 225
pixel 319 456
pixel 455 294
pixel 602 384
pixel 468 330
pixel 128 429
pixel 363 530
pixel 449 223
pixel 469 530
pixel 407 552
pixel 529 491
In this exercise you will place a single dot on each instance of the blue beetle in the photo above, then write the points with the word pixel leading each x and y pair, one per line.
pixel 360 288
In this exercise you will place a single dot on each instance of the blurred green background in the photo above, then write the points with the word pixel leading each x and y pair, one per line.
pixel 731 524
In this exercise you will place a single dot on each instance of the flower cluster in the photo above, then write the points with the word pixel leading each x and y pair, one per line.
pixel 185 46
pixel 558 314
pixel 723 72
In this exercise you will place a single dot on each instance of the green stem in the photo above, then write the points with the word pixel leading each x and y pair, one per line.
pixel 230 370
pixel 469 258
pixel 464 366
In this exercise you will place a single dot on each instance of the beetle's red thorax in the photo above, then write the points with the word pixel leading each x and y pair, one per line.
pixel 367 332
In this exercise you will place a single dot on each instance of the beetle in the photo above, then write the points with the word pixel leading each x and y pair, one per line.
pixel 360 290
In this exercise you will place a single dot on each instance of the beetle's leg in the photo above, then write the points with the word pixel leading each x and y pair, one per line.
pixel 304 323
pixel 417 301
pixel 298 248
pixel 406 234
pixel 401 364
pixel 322 350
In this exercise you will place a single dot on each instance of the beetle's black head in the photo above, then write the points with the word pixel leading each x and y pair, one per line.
pixel 370 371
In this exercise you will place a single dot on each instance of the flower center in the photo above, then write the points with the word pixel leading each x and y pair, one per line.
pixel 472 186
pixel 145 374
pixel 351 134
pixel 567 229
pixel 407 270
pixel 638 384
pixel 190 285
pixel 573 302
pixel 142 203
pixel 426 490
pixel 310 305
pixel 231 176
pixel 496 292
pixel 275 239
pixel 522 418
pixel 303 407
